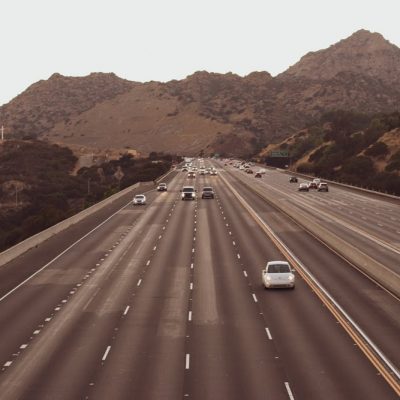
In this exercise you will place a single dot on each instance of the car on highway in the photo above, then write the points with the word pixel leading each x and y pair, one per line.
pixel 312 185
pixel 293 179
pixel 191 174
pixel 207 193
pixel 202 171
pixel 188 193
pixel 162 187
pixel 317 181
pixel 257 175
pixel 278 274
pixel 303 187
pixel 184 169
pixel 249 171
pixel 139 199
pixel 323 187
pixel 213 172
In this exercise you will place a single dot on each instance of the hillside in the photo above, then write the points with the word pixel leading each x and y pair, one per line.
pixel 210 112
pixel 38 189
pixel 349 147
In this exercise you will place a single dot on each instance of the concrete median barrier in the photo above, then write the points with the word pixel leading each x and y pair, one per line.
pixel 40 237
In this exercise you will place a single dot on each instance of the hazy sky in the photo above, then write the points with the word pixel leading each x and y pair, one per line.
pixel 170 39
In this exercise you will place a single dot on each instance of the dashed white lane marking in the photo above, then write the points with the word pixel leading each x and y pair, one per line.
pixel 190 316
pixel 191 266
pixel 245 273
pixel 364 218
pixel 160 237
pixel 254 298
pixel 191 285
pixel 36 332
pixel 8 363
pixel 268 333
pixel 148 262
pixel 194 238
pixel 187 362
pixel 226 224
pixel 48 319
pixel 126 310
pixel 193 250
pixel 234 243
pixel 195 229
pixel 139 282
pixel 380 225
pixel 291 397
pixel 97 265
pixel 57 309
pixel 23 346
pixel 238 256
pixel 106 353
pixel 154 248
pixel 230 232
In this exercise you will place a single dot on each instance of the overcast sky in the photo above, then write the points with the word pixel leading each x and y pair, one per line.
pixel 170 39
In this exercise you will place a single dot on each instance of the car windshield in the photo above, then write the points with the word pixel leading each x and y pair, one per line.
pixel 140 196
pixel 207 189
pixel 278 268
pixel 188 190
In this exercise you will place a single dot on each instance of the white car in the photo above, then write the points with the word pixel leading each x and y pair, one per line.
pixel 139 199
pixel 162 187
pixel 278 274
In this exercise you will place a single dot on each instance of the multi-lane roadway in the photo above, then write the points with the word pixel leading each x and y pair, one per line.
pixel 165 301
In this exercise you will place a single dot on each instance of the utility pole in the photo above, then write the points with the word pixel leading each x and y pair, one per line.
pixel 2 133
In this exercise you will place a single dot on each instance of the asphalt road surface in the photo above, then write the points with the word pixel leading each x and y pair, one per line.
pixel 165 301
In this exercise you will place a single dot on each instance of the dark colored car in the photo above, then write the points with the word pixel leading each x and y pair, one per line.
pixel 312 185
pixel 249 171
pixel 258 175
pixel 188 193
pixel 293 179
pixel 207 193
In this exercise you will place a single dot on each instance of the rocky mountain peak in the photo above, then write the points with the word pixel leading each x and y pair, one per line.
pixel 364 52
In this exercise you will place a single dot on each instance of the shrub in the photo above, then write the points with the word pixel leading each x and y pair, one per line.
pixel 377 149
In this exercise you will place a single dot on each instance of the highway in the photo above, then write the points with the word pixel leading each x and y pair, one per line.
pixel 165 301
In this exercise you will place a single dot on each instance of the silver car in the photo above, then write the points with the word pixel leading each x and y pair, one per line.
pixel 139 199
pixel 278 274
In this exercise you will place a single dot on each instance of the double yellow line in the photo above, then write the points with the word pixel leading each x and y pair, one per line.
pixel 384 369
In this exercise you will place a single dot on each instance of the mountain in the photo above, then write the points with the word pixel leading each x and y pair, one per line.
pixel 210 112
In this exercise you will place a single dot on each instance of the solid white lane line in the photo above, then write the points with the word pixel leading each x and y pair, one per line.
pixel 106 353
pixel 190 316
pixel 254 298
pixel 187 363
pixel 139 282
pixel 268 333
pixel 126 310
pixel 148 262
pixel 245 273
pixel 291 397
pixel 23 346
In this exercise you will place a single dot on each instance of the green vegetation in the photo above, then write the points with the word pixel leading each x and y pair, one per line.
pixel 339 138
pixel 37 189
